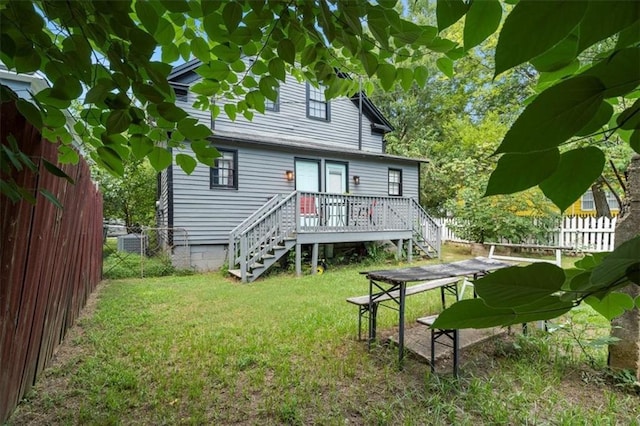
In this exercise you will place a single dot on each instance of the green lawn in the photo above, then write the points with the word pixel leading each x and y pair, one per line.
pixel 204 349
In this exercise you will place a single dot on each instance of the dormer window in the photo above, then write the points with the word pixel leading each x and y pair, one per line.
pixel 317 105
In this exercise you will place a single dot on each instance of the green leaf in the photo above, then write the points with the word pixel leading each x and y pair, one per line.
pixel 276 69
pixel 170 112
pixel 160 158
pixel 141 145
pixel 66 88
pixel 287 51
pixel 574 175
pixel 555 115
pixel 186 162
pixel 559 56
pixel 369 62
pixel 111 160
pixel 629 119
pixel 516 43
pixel 405 75
pixel 387 75
pixel 214 70
pixel 200 49
pixel 232 15
pixel 517 172
pixel 255 100
pixel 612 305
pixel 421 73
pixel 147 15
pixel 517 285
pixel 445 65
pixel 620 72
pixel 190 128
pixel 448 12
pixel 604 19
pixel 638 302
pixel 602 117
pixel 614 267
pixel 482 20
pixel 473 313
pixel 67 155
pixel 230 109
pixel 118 121
pixel 30 112
pixel 52 198
pixel 56 171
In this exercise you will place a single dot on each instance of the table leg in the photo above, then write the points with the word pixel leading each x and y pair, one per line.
pixel 402 289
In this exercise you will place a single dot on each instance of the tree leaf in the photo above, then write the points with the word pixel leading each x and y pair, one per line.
pixel 30 112
pixel 555 115
pixel 276 69
pixel 230 109
pixel 186 162
pixel 287 51
pixel 445 65
pixel 170 112
pixel 369 62
pixel 516 43
pixel 111 159
pixel 482 20
pixel 67 155
pixel 232 15
pixel 519 285
pixel 602 117
pixel 449 12
pixel 604 19
pixel 118 121
pixel 405 75
pixel 559 56
pixel 160 158
pixel 614 267
pixel 629 119
pixel 200 49
pixel 192 130
pixel 576 171
pixel 52 198
pixel 612 305
pixel 421 73
pixel 387 75
pixel 620 72
pixel 56 171
pixel 141 145
pixel 473 313
pixel 517 172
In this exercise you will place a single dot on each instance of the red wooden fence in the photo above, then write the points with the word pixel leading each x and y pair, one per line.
pixel 50 260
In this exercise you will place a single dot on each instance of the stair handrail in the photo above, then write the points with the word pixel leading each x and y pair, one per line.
pixel 252 247
pixel 253 217
pixel 423 220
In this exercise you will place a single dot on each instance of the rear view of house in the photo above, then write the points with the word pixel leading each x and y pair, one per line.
pixel 308 171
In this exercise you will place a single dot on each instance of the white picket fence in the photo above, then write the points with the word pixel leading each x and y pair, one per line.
pixel 587 234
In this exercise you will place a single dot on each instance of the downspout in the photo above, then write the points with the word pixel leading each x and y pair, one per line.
pixel 360 114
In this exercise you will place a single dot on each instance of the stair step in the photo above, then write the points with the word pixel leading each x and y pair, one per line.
pixel 238 273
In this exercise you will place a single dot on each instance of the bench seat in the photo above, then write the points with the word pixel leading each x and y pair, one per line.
pixel 414 289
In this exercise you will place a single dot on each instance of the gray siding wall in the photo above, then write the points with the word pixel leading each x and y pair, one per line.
pixel 210 214
pixel 163 202
pixel 291 121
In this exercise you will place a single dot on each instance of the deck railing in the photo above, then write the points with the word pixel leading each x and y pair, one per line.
pixel 316 212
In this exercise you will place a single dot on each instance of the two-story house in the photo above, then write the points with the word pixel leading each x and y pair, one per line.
pixel 307 172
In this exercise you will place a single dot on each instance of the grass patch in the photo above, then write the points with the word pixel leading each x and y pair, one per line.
pixel 205 349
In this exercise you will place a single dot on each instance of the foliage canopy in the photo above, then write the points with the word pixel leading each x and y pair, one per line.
pixel 102 52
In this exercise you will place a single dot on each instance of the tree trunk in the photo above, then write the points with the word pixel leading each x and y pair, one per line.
pixel 625 354
pixel 600 198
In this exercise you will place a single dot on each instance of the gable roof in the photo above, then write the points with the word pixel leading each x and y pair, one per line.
pixel 184 74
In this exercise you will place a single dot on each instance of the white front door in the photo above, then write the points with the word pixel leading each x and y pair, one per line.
pixel 336 183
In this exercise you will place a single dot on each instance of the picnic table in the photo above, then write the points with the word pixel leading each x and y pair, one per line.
pixel 391 285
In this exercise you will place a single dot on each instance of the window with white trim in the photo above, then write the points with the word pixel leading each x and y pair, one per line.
pixel 395 182
pixel 224 173
pixel 317 105
pixel 588 203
